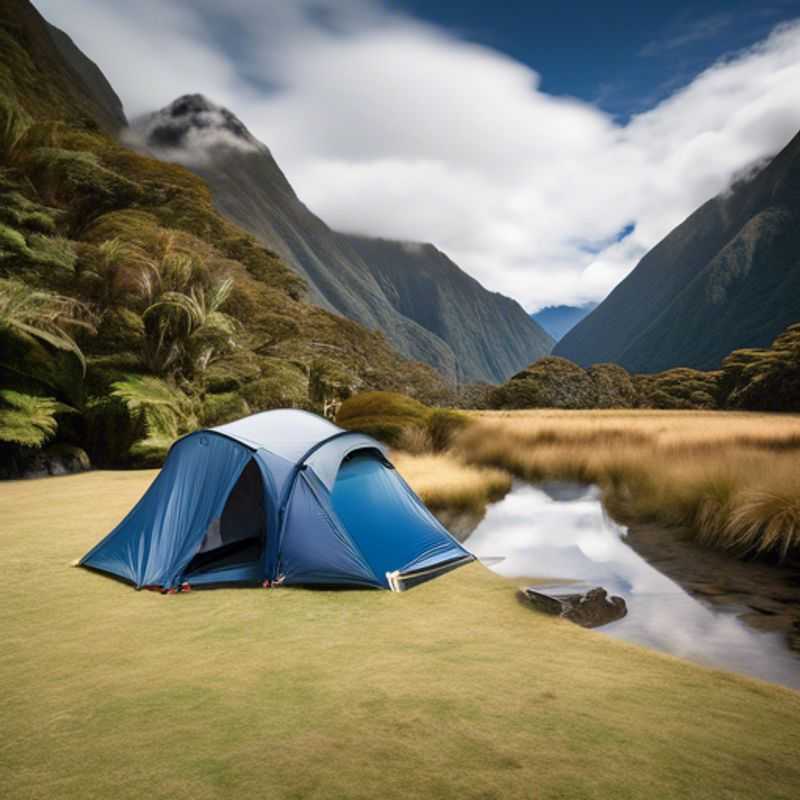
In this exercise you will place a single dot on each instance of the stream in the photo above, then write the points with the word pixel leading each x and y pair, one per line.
pixel 559 536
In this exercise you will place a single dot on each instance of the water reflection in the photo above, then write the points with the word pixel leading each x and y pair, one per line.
pixel 560 532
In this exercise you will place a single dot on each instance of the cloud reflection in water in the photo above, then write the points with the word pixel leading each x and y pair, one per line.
pixel 560 532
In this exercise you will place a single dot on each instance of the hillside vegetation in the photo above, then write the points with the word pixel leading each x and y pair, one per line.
pixel 130 310
pixel 759 379
pixel 425 305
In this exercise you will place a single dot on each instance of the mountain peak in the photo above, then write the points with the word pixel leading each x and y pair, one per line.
pixel 188 128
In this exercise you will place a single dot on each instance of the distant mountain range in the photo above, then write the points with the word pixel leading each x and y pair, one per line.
pixel 727 277
pixel 427 307
pixel 558 320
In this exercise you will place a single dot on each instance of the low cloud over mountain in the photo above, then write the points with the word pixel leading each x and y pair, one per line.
pixel 390 126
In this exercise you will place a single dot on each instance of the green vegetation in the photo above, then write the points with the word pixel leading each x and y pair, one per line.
pixel 550 382
pixel 677 388
pixel 401 421
pixel 727 478
pixel 463 691
pixel 121 286
pixel 757 379
pixel 764 379
pixel 26 420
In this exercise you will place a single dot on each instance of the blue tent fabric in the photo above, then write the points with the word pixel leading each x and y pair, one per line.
pixel 330 509
pixel 399 533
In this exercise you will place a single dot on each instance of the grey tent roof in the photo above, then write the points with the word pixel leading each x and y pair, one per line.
pixel 292 433
pixel 288 432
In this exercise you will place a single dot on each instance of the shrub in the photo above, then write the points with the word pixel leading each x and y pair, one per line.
pixel 614 386
pixel 550 382
pixel 764 379
pixel 383 415
pixel 443 426
pixel 678 388
pixel 283 385
pixel 233 372
pixel 217 409
pixel 79 178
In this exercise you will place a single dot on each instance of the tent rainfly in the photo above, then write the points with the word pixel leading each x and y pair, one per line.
pixel 278 497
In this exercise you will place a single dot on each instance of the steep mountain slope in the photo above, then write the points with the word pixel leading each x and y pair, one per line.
pixel 559 320
pixel 75 89
pixel 249 188
pixel 422 283
pixel 131 310
pixel 727 277
pixel 86 74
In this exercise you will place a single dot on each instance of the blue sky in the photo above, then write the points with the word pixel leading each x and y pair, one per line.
pixel 622 55
pixel 544 147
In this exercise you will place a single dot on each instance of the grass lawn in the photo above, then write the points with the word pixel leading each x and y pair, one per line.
pixel 450 690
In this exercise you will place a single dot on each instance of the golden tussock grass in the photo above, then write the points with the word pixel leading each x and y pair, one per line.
pixel 444 481
pixel 731 478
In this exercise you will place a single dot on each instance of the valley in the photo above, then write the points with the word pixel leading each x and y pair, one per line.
pixel 162 277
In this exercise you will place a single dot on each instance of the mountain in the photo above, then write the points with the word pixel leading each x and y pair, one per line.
pixel 131 310
pixel 76 90
pixel 727 277
pixel 559 320
pixel 482 341
pixel 489 333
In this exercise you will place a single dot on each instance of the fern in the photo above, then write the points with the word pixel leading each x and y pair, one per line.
pixel 44 315
pixel 28 420
pixel 165 410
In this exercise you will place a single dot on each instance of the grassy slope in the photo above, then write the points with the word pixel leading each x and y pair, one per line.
pixel 452 689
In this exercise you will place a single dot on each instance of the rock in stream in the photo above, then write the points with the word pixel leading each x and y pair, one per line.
pixel 590 610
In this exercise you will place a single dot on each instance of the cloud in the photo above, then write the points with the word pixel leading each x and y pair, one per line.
pixel 392 127
pixel 189 131
pixel 698 30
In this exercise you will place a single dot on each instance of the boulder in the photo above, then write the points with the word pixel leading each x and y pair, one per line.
pixel 55 460
pixel 590 610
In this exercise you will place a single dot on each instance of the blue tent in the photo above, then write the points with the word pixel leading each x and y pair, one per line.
pixel 282 496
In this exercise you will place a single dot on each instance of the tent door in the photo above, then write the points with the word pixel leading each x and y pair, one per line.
pixel 234 543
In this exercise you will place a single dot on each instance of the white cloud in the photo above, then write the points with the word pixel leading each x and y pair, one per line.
pixel 388 126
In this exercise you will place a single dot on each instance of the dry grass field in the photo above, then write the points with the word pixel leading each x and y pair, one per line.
pixel 450 690
pixel 731 478
pixel 445 482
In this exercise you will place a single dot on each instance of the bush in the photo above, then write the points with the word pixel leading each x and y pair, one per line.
pixel 383 415
pixel 764 379
pixel 120 330
pixel 550 382
pixel 679 388
pixel 283 386
pixel 79 178
pixel 614 386
pixel 443 426
pixel 232 372
pixel 401 421
pixel 217 409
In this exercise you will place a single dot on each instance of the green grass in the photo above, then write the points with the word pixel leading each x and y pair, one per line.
pixel 453 689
